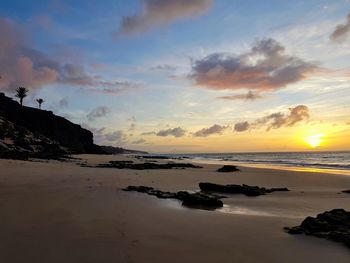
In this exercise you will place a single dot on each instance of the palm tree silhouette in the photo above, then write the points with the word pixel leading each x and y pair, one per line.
pixel 21 93
pixel 40 101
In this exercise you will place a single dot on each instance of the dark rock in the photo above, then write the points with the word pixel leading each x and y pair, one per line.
pixel 198 200
pixel 119 150
pixel 153 157
pixel 228 169
pixel 333 225
pixel 141 189
pixel 346 191
pixel 145 166
pixel 238 189
pixel 193 200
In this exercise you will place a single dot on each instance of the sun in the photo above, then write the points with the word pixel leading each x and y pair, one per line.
pixel 314 140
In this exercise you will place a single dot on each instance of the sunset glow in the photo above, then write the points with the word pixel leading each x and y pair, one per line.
pixel 314 140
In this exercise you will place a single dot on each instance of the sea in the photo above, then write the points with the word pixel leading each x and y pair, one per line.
pixel 313 160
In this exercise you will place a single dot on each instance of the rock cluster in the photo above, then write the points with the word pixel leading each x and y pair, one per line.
pixel 228 169
pixel 333 225
pixel 238 189
pixel 145 166
pixel 193 200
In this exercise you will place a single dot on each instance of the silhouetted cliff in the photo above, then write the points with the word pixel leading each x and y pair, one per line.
pixel 58 129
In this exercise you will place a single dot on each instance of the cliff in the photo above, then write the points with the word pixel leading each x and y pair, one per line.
pixel 47 125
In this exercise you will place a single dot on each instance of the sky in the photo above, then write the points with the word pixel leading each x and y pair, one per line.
pixel 186 75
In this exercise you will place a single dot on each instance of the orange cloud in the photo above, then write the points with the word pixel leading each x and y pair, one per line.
pixel 157 13
pixel 265 67
pixel 276 120
pixel 215 129
pixel 22 65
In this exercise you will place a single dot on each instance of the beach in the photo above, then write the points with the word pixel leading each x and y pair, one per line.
pixel 64 212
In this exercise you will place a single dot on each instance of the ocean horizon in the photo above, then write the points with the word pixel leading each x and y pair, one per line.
pixel 339 160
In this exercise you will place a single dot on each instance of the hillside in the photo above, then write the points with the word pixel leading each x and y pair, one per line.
pixel 26 131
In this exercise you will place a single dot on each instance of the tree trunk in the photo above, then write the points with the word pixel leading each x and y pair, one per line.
pixel 21 101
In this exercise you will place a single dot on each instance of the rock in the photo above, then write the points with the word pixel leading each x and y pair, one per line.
pixel 198 200
pixel 119 150
pixel 346 191
pixel 192 200
pixel 333 225
pixel 228 169
pixel 161 157
pixel 238 189
pixel 145 166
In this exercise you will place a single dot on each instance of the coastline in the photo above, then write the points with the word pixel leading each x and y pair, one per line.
pixel 62 212
pixel 274 166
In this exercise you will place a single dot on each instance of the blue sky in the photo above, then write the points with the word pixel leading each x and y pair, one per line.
pixel 141 77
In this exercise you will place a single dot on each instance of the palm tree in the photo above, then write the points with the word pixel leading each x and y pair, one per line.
pixel 40 101
pixel 21 93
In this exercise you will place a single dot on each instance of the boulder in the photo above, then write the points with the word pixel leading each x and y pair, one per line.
pixel 228 169
pixel 333 225
pixel 145 166
pixel 238 189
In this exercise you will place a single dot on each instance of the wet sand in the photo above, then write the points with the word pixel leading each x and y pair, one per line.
pixel 61 212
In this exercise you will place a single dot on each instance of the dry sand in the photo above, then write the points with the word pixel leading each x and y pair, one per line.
pixel 61 212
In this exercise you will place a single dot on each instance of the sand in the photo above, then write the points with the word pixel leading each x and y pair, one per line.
pixel 61 212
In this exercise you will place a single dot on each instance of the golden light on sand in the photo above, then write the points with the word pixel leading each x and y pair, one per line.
pixel 314 140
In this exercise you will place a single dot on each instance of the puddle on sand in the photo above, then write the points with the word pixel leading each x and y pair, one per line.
pixel 238 210
pixel 234 210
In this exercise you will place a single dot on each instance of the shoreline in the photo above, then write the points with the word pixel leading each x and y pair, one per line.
pixel 273 166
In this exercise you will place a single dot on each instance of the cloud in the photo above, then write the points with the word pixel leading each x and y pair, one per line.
pixel 265 67
pixel 75 74
pixel 20 65
pixel 279 119
pixel 249 96
pixel 276 120
pixel 114 87
pixel 215 129
pixel 176 132
pixel 157 13
pixel 341 31
pixel 164 67
pixel 117 137
pixel 98 113
pixel 23 65
pixel 63 103
pixel 140 141
pixel 102 137
pixel 132 127
pixel 149 133
pixel 241 126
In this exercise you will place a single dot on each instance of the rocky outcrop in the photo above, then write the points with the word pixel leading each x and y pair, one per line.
pixel 145 166
pixel 16 142
pixel 193 200
pixel 228 169
pixel 333 225
pixel 238 189
pixel 42 123
pixel 119 150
